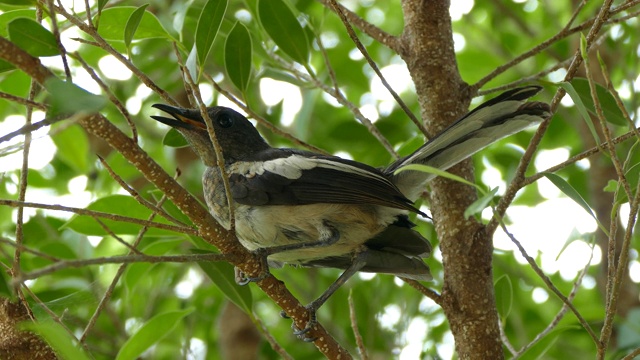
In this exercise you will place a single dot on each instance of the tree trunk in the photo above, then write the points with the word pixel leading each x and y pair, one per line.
pixel 468 294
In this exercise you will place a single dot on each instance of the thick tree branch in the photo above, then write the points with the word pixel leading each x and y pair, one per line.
pixel 467 296
pixel 208 227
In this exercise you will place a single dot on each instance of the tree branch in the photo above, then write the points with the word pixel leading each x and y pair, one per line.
pixel 208 227
pixel 386 39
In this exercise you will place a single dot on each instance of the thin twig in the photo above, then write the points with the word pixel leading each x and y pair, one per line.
pixel 574 15
pixel 550 284
pixel 527 79
pixel 386 39
pixel 56 35
pixel 622 262
pixel 100 214
pixel 264 122
pixel 354 327
pixel 53 315
pixel 516 184
pixel 505 339
pixel 124 259
pixel 563 310
pixel 104 301
pixel 352 34
pixel 551 41
pixel 88 11
pixel 116 237
pixel 344 102
pixel 606 132
pixel 275 346
pixel 114 100
pixel 194 90
pixel 33 127
pixel 22 192
pixel 23 101
pixel 632 355
pixel 29 250
pixel 327 64
pixel 431 294
pixel 142 201
pixel 103 44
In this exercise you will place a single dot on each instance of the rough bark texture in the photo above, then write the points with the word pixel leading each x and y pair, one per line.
pixel 16 344
pixel 208 228
pixel 468 295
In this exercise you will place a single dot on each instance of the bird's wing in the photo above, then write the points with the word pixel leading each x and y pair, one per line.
pixel 290 177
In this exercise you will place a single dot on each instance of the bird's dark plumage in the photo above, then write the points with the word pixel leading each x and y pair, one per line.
pixel 324 211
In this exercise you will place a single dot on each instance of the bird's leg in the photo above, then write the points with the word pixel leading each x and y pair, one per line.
pixel 359 261
pixel 330 236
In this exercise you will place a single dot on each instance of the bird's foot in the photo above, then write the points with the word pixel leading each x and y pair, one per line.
pixel 242 278
pixel 303 334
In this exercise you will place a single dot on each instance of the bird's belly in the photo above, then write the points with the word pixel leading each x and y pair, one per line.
pixel 274 225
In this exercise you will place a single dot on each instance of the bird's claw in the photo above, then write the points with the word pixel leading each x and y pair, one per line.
pixel 311 322
pixel 242 279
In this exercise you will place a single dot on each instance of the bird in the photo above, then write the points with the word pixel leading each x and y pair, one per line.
pixel 305 208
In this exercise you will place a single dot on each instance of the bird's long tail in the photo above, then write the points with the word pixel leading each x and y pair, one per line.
pixel 493 120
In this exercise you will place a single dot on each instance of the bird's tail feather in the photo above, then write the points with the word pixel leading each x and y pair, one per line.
pixel 493 120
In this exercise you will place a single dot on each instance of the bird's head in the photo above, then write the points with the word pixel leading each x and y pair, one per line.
pixel 238 138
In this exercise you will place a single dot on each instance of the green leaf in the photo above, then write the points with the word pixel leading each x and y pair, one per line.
pixel 480 204
pixel 18 2
pixel 32 37
pixel 58 338
pixel 5 66
pixel 583 48
pixel 282 26
pixel 173 138
pixel 119 205
pixel 612 113
pixel 151 332
pixel 73 148
pixel 504 296
pixel 132 24
pixel 611 186
pixel 629 330
pixel 111 28
pixel 208 26
pixel 7 17
pixel 568 190
pixel 69 98
pixel 573 237
pixel 237 56
pixel 279 74
pixel 192 63
pixel 438 172
pixel 101 4
pixel 222 274
pixel 582 109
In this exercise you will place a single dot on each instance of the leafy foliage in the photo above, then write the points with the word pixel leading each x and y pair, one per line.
pixel 166 309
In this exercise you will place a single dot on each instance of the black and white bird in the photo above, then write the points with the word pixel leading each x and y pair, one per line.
pixel 304 208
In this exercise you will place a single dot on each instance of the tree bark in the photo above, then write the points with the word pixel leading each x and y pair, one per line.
pixel 468 297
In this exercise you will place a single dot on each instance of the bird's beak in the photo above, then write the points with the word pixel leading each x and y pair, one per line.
pixel 182 118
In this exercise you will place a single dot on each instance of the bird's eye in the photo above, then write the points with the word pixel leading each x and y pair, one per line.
pixel 225 120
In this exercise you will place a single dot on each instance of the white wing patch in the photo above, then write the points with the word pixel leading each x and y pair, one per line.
pixel 292 167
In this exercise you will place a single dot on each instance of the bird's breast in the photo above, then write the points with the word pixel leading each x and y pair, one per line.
pixel 264 226
pixel 275 225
